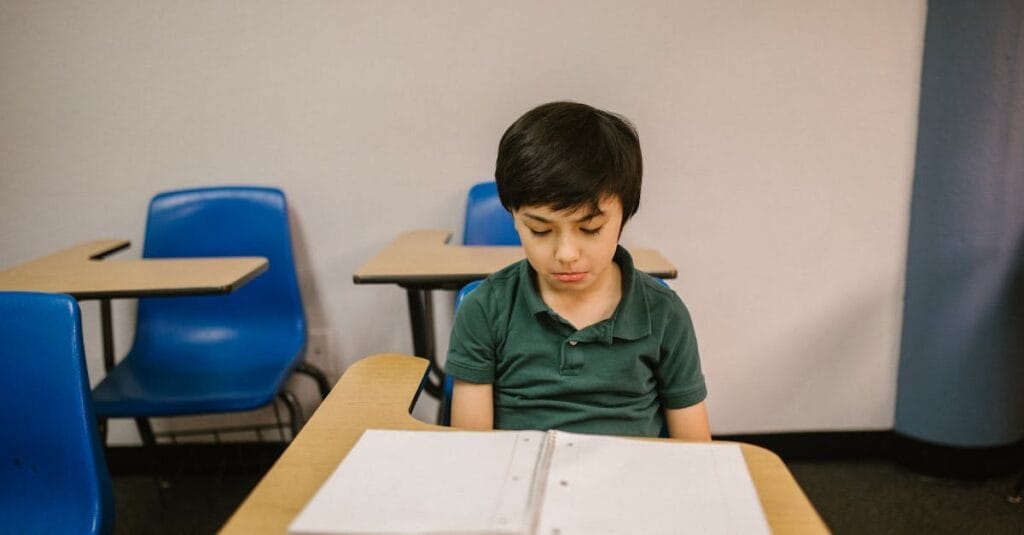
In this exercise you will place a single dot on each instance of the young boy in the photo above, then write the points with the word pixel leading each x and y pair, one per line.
pixel 574 337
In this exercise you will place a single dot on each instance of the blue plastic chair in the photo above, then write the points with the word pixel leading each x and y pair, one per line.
pixel 487 222
pixel 223 353
pixel 53 478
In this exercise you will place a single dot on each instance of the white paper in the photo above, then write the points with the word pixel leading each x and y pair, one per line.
pixel 406 482
pixel 619 485
pixel 402 482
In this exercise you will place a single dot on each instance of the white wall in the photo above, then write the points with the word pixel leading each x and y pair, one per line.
pixel 778 141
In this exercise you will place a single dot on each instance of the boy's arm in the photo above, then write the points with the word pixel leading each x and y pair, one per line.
pixel 689 423
pixel 473 406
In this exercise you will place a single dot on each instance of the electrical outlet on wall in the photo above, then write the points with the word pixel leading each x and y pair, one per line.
pixel 318 350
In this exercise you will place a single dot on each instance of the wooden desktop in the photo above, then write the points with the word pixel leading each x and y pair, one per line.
pixel 82 272
pixel 378 392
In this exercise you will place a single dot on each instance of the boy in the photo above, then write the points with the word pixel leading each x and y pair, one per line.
pixel 573 337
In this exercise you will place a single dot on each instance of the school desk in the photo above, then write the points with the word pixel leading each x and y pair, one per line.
pixel 378 392
pixel 82 272
pixel 422 261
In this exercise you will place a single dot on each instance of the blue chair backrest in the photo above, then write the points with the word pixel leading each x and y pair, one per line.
pixel 464 291
pixel 53 478
pixel 487 222
pixel 265 315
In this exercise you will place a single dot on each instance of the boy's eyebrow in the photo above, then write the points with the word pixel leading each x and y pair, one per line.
pixel 591 214
pixel 536 217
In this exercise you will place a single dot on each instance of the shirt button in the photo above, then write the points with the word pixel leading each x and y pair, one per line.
pixel 572 342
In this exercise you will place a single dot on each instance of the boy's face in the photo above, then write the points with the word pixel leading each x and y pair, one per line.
pixel 571 250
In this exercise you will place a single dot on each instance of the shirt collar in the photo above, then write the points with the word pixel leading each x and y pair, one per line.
pixel 631 319
pixel 534 302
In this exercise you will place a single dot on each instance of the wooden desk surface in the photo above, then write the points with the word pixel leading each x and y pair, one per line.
pixel 378 392
pixel 425 257
pixel 79 271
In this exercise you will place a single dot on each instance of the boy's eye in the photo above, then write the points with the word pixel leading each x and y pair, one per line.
pixel 592 231
pixel 539 232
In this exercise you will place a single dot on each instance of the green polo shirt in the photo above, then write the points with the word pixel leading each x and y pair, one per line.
pixel 612 377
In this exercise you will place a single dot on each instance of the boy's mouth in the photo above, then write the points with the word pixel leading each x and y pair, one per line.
pixel 569 276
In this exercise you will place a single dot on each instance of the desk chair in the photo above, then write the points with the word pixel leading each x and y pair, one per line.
pixel 487 222
pixel 53 478
pixel 448 385
pixel 211 354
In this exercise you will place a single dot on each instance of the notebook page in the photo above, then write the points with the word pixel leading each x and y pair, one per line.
pixel 403 482
pixel 599 484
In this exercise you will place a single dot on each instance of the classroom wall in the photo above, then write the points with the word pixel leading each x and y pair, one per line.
pixel 778 139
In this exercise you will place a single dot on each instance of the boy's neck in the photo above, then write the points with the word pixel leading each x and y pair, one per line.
pixel 588 306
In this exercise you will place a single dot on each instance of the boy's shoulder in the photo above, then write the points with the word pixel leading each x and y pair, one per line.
pixel 498 287
pixel 507 274
pixel 660 298
pixel 651 283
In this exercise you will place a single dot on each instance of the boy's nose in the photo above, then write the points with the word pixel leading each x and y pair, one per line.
pixel 567 252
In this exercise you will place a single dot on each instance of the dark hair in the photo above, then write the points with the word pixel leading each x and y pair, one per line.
pixel 566 154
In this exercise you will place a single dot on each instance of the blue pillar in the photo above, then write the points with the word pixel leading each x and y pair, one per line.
pixel 961 370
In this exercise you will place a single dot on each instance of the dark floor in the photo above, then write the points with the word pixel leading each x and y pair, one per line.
pixel 873 497
pixel 876 497
pixel 188 504
pixel 880 497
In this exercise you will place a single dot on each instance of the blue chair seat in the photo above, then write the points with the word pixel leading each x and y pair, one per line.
pixel 135 390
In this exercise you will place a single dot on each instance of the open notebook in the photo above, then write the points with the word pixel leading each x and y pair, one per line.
pixel 558 483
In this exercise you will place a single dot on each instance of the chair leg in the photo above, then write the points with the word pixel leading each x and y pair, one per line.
pixel 146 432
pixel 317 375
pixel 1015 496
pixel 294 411
pixel 101 430
pixel 149 444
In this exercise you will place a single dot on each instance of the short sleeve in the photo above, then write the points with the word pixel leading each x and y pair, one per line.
pixel 471 347
pixel 680 380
